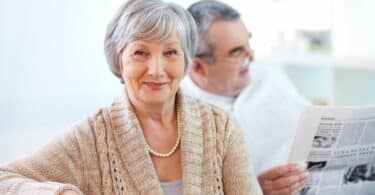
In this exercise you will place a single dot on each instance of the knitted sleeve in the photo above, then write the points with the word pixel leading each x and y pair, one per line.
pixel 56 167
pixel 238 175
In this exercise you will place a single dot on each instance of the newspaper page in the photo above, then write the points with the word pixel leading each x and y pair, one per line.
pixel 338 144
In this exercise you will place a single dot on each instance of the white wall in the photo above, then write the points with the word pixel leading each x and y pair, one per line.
pixel 353 30
pixel 52 69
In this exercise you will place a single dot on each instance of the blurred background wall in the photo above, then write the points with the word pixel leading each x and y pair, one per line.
pixel 53 70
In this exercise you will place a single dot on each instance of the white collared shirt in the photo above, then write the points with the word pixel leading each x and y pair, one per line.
pixel 267 110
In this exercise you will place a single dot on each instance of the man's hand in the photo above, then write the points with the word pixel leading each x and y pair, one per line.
pixel 283 180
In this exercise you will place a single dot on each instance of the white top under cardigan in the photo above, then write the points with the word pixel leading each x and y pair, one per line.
pixel 172 188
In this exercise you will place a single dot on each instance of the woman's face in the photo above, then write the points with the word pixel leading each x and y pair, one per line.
pixel 152 71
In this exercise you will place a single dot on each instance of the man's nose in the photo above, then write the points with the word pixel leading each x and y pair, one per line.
pixel 251 54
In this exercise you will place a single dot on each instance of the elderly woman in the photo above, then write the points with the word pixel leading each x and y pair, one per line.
pixel 153 140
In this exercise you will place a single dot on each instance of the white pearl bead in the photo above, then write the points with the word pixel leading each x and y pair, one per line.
pixel 174 148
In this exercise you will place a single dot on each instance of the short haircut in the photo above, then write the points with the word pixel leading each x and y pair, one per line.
pixel 150 20
pixel 205 13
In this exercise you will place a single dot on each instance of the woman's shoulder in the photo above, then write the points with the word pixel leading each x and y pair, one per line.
pixel 90 127
pixel 214 117
pixel 217 123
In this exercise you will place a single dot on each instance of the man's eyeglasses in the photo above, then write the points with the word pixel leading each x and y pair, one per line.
pixel 242 57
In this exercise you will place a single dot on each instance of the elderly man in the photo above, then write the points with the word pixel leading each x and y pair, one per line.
pixel 266 105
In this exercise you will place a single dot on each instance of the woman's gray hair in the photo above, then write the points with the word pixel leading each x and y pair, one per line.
pixel 150 20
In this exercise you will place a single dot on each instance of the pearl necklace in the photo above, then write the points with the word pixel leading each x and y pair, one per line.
pixel 174 148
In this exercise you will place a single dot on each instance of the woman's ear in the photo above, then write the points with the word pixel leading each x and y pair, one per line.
pixel 120 69
pixel 120 64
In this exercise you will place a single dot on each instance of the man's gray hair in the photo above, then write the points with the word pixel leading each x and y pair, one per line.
pixel 149 20
pixel 205 13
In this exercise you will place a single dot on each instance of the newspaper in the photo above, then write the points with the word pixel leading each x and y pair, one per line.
pixel 338 144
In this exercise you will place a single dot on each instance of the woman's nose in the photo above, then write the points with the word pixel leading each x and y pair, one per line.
pixel 156 66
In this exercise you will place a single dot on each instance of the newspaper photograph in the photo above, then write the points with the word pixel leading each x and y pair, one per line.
pixel 338 144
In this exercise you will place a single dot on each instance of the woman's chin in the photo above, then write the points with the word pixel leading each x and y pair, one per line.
pixel 156 97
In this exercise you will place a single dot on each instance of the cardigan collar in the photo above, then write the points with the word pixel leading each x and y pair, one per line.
pixel 129 137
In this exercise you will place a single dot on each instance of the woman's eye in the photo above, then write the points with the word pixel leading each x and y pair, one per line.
pixel 140 53
pixel 171 53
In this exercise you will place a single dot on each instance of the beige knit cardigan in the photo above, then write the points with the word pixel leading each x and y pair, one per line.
pixel 106 154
